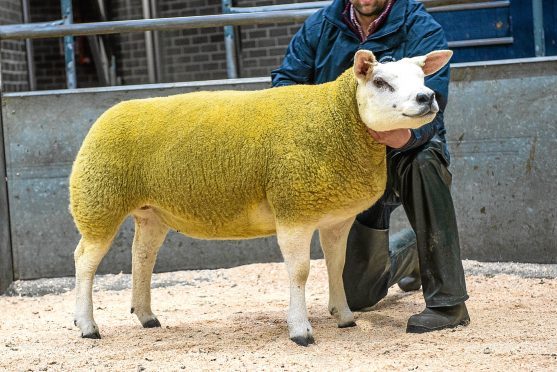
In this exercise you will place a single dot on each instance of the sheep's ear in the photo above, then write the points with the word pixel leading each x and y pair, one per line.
pixel 433 61
pixel 364 61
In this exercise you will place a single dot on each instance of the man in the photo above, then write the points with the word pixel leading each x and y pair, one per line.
pixel 417 160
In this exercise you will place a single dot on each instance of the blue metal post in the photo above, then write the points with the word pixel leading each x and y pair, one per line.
pixel 69 50
pixel 539 34
pixel 230 44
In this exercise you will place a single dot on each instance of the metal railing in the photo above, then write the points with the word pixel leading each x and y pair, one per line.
pixel 49 29
pixel 433 6
pixel 232 16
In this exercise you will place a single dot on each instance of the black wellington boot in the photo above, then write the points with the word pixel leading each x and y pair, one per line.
pixel 437 318
pixel 405 266
pixel 412 282
pixel 367 266
pixel 374 263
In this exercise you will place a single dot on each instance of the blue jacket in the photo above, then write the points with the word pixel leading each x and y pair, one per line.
pixel 325 46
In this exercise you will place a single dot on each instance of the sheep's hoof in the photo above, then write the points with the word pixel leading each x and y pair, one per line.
pixel 152 323
pixel 347 325
pixel 94 335
pixel 303 341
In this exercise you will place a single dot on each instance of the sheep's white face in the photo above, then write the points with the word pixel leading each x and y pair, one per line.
pixel 393 95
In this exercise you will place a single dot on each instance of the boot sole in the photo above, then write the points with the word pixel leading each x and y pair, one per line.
pixel 410 288
pixel 419 329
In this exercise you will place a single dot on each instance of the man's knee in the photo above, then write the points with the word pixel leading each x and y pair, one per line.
pixel 429 163
pixel 427 158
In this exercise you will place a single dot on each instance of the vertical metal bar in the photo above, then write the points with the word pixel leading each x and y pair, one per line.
pixel 6 257
pixel 113 77
pixel 149 43
pixel 230 44
pixel 156 44
pixel 539 33
pixel 32 78
pixel 69 45
pixel 102 10
pixel 99 58
pixel 108 59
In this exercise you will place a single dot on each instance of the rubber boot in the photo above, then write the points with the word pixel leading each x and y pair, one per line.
pixel 367 266
pixel 374 263
pixel 437 318
pixel 405 266
pixel 412 282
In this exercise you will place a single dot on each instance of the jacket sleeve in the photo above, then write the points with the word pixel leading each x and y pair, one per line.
pixel 298 64
pixel 424 36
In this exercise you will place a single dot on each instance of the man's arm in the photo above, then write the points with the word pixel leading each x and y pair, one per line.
pixel 298 64
pixel 424 37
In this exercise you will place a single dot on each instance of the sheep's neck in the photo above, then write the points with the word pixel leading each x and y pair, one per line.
pixel 344 105
pixel 350 135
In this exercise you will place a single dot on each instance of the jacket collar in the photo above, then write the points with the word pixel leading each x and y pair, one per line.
pixel 395 20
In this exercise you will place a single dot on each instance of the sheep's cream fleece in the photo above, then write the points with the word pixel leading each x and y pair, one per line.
pixel 229 164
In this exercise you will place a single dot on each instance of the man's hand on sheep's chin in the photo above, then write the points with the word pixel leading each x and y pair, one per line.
pixel 393 138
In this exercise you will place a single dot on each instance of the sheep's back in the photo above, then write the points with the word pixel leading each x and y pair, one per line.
pixel 201 157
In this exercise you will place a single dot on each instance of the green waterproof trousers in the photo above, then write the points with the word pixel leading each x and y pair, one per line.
pixel 420 181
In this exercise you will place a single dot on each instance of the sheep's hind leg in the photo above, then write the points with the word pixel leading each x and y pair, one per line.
pixel 333 241
pixel 295 247
pixel 87 255
pixel 150 232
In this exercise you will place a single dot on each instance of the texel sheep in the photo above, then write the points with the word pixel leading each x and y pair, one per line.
pixel 236 165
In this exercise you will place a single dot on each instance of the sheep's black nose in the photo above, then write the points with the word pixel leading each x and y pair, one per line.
pixel 425 98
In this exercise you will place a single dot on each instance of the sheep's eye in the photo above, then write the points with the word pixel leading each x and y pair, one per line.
pixel 382 84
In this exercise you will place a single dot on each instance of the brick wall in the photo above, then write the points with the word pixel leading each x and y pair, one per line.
pixel 13 56
pixel 131 59
pixel 48 54
pixel 198 54
pixel 186 55
pixel 263 46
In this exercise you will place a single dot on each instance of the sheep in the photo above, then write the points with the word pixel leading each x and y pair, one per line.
pixel 237 165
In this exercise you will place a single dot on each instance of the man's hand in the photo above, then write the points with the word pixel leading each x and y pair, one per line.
pixel 393 138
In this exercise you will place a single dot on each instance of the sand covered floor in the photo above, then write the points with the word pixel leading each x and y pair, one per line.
pixel 234 319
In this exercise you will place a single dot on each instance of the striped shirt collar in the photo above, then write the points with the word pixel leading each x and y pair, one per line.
pixel 351 20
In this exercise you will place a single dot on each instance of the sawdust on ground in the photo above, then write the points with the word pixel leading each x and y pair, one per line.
pixel 234 319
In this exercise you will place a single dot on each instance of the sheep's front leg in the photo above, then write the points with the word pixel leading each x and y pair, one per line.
pixel 333 241
pixel 295 247
pixel 87 255
pixel 149 236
